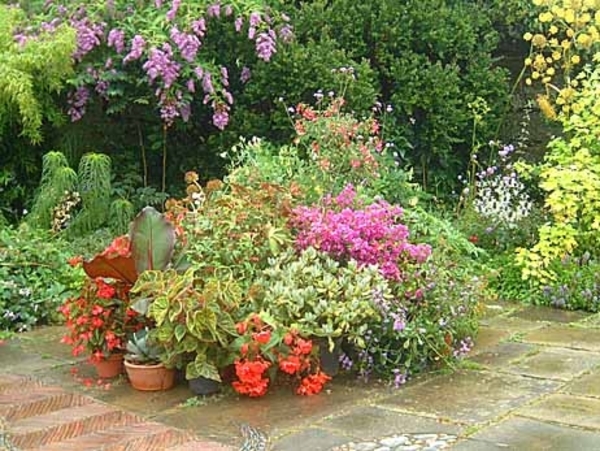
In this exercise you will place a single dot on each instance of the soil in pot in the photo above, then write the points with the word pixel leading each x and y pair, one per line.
pixel 203 386
pixel 150 377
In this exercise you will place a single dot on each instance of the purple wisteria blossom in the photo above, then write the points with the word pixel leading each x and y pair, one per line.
pixel 137 48
pixel 265 45
pixel 116 39
pixel 221 115
pixel 199 27
pixel 188 44
pixel 207 84
pixel 245 74
pixel 238 24
pixel 171 13
pixel 224 76
pixel 286 34
pixel 77 101
pixel 89 35
pixel 214 10
pixel 160 64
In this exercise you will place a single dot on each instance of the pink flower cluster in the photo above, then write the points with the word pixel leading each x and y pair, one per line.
pixel 347 230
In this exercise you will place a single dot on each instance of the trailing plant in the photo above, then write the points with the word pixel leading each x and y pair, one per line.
pixel 32 70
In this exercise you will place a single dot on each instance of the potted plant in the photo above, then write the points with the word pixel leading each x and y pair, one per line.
pixel 143 366
pixel 193 320
pixel 100 319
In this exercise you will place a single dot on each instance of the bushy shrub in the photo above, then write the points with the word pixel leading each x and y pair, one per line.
pixel 431 59
pixel 34 277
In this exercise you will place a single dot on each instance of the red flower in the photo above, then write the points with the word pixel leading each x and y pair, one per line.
pixel 241 328
pixel 105 291
pixel 262 337
pixel 120 246
pixel 97 310
pixel 303 347
pixel 290 365
pixel 474 239
pixel 312 384
pixel 288 339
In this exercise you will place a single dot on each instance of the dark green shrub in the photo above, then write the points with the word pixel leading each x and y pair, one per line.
pixel 34 277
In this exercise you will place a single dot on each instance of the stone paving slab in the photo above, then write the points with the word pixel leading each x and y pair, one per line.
pixel 566 337
pixel 521 434
pixel 514 324
pixel 370 422
pixel 470 397
pixel 566 409
pixel 501 355
pixel 488 337
pixel 587 385
pixel 313 439
pixel 556 363
pixel 537 313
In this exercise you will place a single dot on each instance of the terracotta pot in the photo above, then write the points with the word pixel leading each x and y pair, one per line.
pixel 150 377
pixel 110 367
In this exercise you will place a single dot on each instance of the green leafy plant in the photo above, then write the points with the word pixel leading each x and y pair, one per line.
pixel 26 94
pixel 192 317
pixel 34 279
pixel 141 350
pixel 318 296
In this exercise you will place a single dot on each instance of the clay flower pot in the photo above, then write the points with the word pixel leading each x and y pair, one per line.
pixel 150 377
pixel 110 367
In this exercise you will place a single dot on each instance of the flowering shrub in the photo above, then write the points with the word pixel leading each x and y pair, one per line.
pixel 99 320
pixel 158 45
pixel 345 229
pixel 577 285
pixel 429 320
pixel 262 346
pixel 568 38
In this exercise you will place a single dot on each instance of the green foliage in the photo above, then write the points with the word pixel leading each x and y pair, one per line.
pixel 31 72
pixel 193 323
pixel 34 277
pixel 576 287
pixel 79 202
pixel 141 350
pixel 57 179
pixel 507 282
pixel 570 175
pixel 320 297
pixel 152 240
pixel 431 59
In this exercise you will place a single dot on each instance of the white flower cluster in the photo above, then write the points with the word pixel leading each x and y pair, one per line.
pixel 502 198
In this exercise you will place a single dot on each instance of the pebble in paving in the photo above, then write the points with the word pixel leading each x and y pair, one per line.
pixel 403 442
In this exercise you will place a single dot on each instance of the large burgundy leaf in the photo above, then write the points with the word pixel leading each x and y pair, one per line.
pixel 152 240
pixel 114 267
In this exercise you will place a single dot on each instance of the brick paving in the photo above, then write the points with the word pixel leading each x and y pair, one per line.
pixel 36 416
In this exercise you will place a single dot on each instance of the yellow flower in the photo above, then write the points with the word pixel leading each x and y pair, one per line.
pixel 556 55
pixel 584 40
pixel 550 71
pixel 528 81
pixel 546 107
pixel 535 75
pixel 575 59
pixel 545 17
pixel 527 36
pixel 570 33
pixel 539 40
pixel 553 29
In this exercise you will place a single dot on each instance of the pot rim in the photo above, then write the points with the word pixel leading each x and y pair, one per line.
pixel 136 365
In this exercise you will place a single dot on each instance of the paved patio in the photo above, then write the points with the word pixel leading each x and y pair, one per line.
pixel 532 383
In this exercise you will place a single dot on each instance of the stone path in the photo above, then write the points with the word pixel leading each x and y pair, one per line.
pixel 532 383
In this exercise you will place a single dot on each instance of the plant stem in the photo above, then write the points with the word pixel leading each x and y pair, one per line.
pixel 144 160
pixel 164 161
